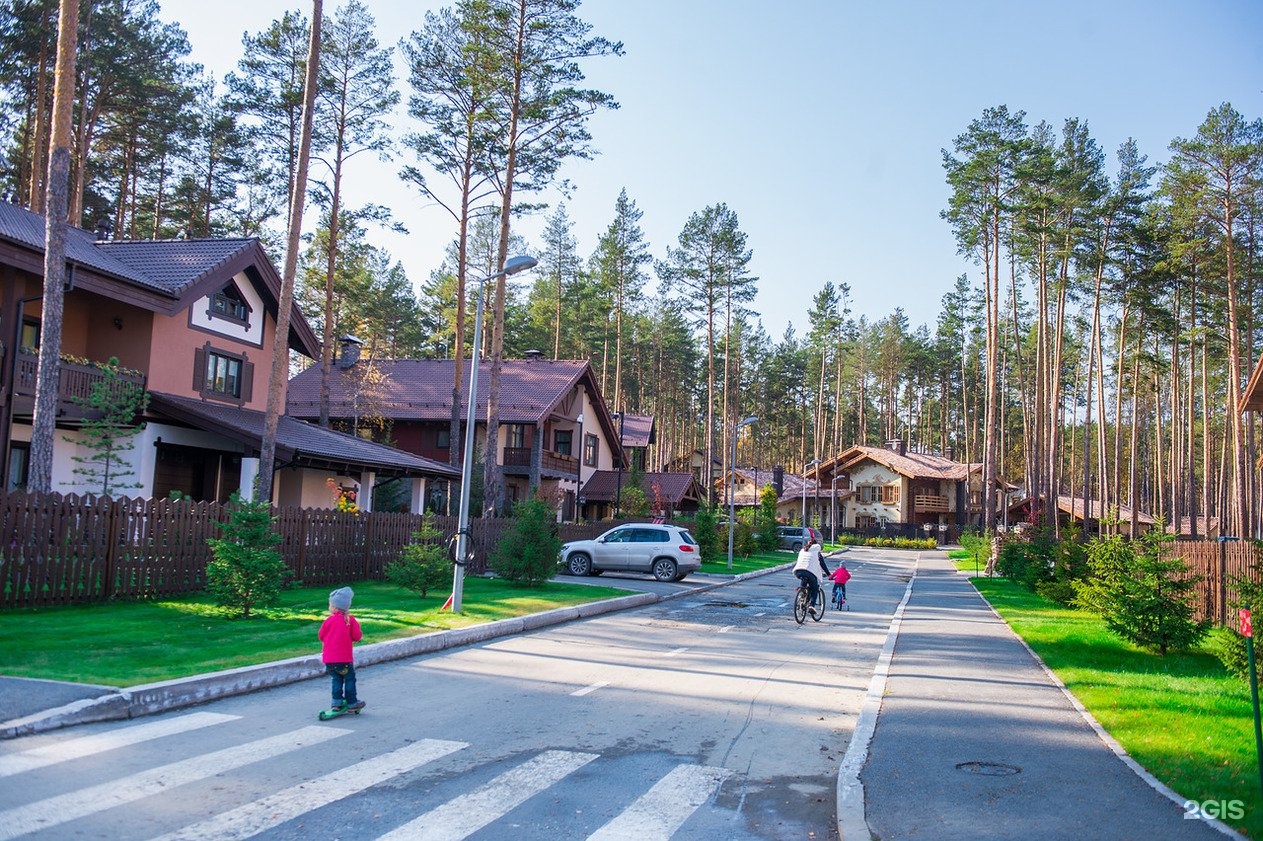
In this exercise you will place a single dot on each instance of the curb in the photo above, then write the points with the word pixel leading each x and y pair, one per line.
pixel 150 698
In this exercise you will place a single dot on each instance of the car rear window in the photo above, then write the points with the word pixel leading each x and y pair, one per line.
pixel 687 538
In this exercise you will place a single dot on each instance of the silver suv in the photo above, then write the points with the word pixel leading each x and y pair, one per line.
pixel 793 537
pixel 669 552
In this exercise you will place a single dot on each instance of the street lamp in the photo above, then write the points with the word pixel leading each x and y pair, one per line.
pixel 833 505
pixel 811 463
pixel 512 266
pixel 618 488
pixel 577 447
pixel 732 484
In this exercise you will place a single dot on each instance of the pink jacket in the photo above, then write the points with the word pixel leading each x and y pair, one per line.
pixel 841 575
pixel 337 633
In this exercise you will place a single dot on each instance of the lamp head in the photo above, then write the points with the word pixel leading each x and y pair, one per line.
pixel 747 421
pixel 519 264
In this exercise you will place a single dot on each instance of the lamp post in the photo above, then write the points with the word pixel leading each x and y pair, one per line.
pixel 732 483
pixel 618 488
pixel 811 463
pixel 512 266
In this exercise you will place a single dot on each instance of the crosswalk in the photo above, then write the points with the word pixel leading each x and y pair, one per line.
pixel 162 795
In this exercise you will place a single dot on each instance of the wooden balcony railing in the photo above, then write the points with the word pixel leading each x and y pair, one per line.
pixel 74 383
pixel 521 457
pixel 927 504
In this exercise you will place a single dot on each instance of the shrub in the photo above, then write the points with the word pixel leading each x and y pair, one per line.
pixel 246 570
pixel 1229 646
pixel 1143 597
pixel 423 565
pixel 765 518
pixel 528 553
pixel 978 545
pixel 706 532
pixel 1028 562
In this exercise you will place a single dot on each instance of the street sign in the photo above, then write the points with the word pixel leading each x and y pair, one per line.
pixel 1245 626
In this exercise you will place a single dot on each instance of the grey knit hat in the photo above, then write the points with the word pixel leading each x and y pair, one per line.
pixel 341 598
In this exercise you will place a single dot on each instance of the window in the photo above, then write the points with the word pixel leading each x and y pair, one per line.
pixel 591 449
pixel 649 536
pixel 865 521
pixel 19 465
pixel 868 493
pixel 562 440
pixel 222 375
pixel 443 439
pixel 29 339
pixel 227 303
pixel 516 436
pixel 890 494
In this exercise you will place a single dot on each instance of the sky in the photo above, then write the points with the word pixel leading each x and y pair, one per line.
pixel 822 124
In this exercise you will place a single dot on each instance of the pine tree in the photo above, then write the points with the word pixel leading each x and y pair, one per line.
pixel 112 405
pixel 246 570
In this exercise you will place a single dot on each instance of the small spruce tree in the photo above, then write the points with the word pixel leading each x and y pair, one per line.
pixel 528 553
pixel 246 569
pixel 706 532
pixel 765 518
pixel 423 565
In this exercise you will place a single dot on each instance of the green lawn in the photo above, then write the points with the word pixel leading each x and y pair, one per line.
pixel 1181 716
pixel 127 642
pixel 756 561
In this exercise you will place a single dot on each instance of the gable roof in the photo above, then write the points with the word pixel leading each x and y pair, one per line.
pixel 163 276
pixel 602 486
pixel 912 465
pixel 638 430
pixel 298 442
pixel 1252 397
pixel 531 390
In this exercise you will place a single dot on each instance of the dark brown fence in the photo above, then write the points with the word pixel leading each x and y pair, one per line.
pixel 1217 563
pixel 59 549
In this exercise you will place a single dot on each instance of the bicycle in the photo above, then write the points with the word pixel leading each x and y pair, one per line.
pixel 839 600
pixel 801 607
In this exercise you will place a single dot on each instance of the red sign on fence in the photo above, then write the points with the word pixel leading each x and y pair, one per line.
pixel 1246 627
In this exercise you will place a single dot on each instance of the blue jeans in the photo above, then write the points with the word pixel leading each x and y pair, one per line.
pixel 343 675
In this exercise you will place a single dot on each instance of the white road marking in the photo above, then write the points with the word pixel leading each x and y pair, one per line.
pixel 759 614
pixel 101 742
pixel 276 809
pixel 463 816
pixel 673 653
pixel 578 693
pixel 725 629
pixel 663 809
pixel 89 801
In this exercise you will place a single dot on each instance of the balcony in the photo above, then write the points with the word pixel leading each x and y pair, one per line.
pixel 928 504
pixel 74 386
pixel 521 457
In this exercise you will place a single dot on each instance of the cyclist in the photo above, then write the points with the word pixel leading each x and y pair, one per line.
pixel 810 568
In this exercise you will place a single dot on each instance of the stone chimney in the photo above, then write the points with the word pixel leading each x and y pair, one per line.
pixel 778 479
pixel 349 352
pixel 949 453
pixel 897 445
pixel 532 355
pixel 104 230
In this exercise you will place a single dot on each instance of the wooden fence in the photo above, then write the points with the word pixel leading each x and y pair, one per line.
pixel 1216 563
pixel 67 549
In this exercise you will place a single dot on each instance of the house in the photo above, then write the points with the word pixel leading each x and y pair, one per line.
pixel 693 462
pixel 555 429
pixel 638 432
pixel 192 322
pixel 668 494
pixel 894 487
pixel 1070 510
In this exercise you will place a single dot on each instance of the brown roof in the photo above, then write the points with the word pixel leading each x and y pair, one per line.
pixel 602 486
pixel 638 430
pixel 1252 397
pixel 163 276
pixel 297 441
pixel 912 465
pixel 1074 507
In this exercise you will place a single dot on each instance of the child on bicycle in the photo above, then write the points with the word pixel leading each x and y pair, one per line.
pixel 840 576
pixel 810 568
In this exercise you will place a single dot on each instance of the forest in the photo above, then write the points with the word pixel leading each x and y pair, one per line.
pixel 1099 350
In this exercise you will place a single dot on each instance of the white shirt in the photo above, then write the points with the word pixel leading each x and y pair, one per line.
pixel 809 559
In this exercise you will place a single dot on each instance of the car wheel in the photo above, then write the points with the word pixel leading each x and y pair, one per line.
pixel 664 569
pixel 797 547
pixel 579 564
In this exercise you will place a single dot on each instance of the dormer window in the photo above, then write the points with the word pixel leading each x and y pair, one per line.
pixel 227 303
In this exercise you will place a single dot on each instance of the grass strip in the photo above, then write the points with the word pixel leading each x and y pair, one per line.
pixel 126 643
pixel 1180 716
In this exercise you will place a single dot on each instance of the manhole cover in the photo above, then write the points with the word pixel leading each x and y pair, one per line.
pixel 989 769
pixel 725 604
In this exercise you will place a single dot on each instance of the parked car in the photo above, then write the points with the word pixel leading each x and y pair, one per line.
pixel 793 537
pixel 669 552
